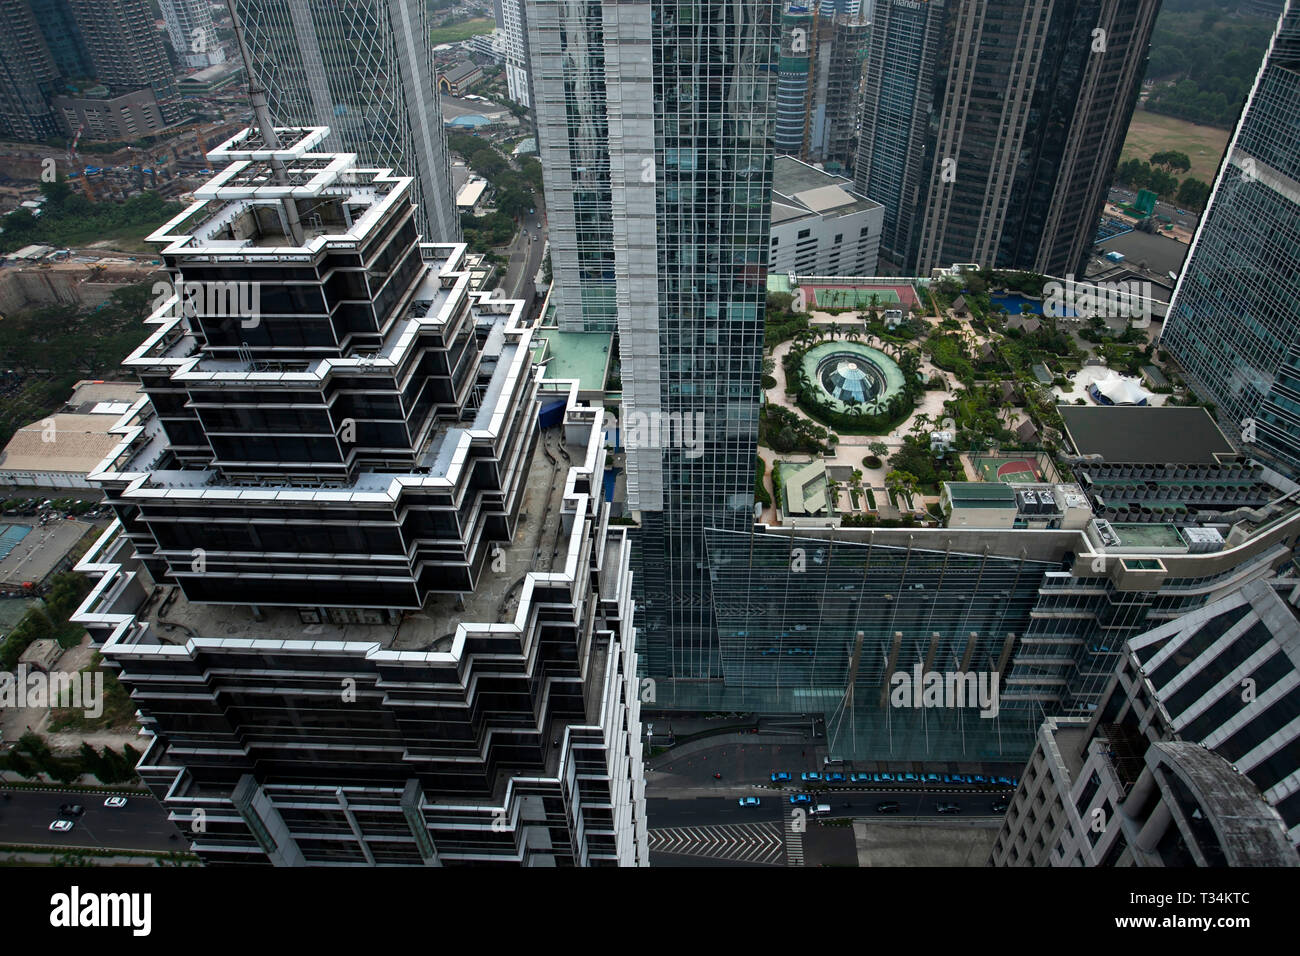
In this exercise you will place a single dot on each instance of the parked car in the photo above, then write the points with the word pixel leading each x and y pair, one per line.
pixel 835 778
pixel 888 806
pixel 61 826
pixel 115 802
pixel 749 801
pixel 859 778
pixel 780 776
pixel 810 776
pixel 886 778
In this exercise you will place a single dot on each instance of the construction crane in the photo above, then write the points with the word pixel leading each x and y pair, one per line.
pixel 75 162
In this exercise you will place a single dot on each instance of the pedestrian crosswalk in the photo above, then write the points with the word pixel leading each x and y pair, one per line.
pixel 793 840
pixel 734 842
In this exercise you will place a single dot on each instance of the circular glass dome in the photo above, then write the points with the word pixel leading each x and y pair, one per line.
pixel 851 379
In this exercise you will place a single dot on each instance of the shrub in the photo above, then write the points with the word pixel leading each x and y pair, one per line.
pixel 871 461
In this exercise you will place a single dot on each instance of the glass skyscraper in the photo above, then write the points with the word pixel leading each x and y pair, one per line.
pixel 677 98
pixel 363 68
pixel 1234 322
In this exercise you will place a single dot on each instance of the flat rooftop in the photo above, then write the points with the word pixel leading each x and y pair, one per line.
pixel 1169 434
pixel 41 549
pixel 539 545
pixel 584 356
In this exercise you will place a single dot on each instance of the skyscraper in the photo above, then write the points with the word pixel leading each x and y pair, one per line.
pixel 1234 322
pixel 63 37
pixel 367 601
pixel 126 52
pixel 514 23
pixel 1022 111
pixel 27 75
pixel 365 70
pixel 673 101
pixel 797 43
pixel 567 50
pixel 896 98
pixel 191 30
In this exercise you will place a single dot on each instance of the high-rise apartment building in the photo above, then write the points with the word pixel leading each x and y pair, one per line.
pixel 126 52
pixel 192 32
pixel 514 23
pixel 1020 111
pixel 63 38
pixel 368 604
pixel 27 76
pixel 1234 321
pixel 365 70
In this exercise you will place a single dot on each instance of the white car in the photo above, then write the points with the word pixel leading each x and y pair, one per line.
pixel 115 802
pixel 61 826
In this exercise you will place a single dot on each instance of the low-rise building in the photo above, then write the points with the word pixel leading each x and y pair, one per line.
pixel 820 225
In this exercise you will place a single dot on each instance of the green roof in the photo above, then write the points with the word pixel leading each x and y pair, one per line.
pixel 580 355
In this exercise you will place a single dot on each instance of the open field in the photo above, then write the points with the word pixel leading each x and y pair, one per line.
pixel 461 31
pixel 1152 133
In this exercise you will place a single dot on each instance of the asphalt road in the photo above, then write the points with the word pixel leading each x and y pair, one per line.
pixel 25 817
pixel 525 258
pixel 712 811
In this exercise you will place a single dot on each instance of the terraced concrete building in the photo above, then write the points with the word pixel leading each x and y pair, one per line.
pixel 370 609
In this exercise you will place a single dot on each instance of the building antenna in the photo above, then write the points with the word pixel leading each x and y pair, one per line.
pixel 262 116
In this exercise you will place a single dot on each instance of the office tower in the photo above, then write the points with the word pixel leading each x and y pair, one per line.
pixel 567 50
pixel 1190 758
pixel 897 92
pixel 1022 112
pixel 366 599
pixel 514 23
pixel 27 76
pixel 365 70
pixel 192 33
pixel 126 51
pixel 63 38
pixel 1234 321
pixel 797 43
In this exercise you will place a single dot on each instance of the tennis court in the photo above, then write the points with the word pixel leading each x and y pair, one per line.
pixel 861 297
pixel 1007 469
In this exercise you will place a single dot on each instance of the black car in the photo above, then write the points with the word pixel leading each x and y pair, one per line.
pixel 947 807
pixel 888 806
pixel 71 809
pixel 1000 806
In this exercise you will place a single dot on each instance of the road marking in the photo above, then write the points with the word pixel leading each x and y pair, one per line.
pixel 734 842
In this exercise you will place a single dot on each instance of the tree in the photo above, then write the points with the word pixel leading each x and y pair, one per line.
pixel 878 448
pixel 1193 194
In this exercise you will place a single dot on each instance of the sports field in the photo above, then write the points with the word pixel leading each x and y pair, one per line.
pixel 860 297
pixel 1007 469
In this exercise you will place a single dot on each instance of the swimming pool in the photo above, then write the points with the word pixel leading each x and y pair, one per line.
pixel 10 536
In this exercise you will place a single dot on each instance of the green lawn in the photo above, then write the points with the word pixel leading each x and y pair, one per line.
pixel 1151 133
pixel 461 31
